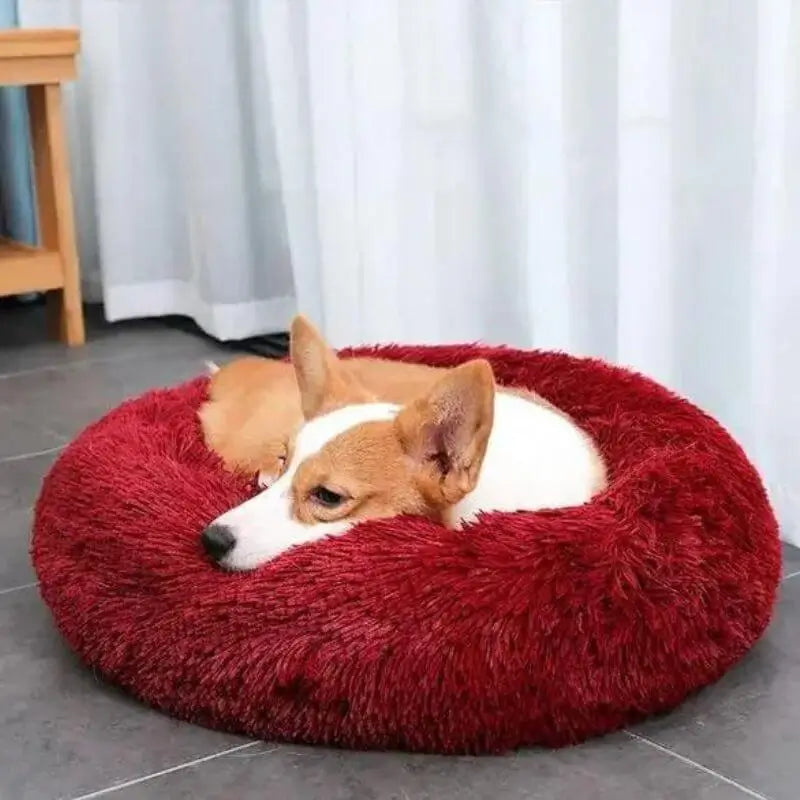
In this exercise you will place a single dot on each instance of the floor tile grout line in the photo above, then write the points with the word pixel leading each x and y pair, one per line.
pixel 168 350
pixel 697 765
pixel 11 589
pixel 23 456
pixel 21 373
pixel 169 770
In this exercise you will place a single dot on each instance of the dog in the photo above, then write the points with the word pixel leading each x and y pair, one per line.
pixel 456 447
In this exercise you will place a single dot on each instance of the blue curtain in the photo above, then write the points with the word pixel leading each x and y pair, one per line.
pixel 17 217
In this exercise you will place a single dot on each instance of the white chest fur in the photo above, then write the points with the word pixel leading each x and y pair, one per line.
pixel 536 458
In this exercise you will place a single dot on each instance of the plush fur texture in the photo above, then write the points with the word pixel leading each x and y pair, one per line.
pixel 530 628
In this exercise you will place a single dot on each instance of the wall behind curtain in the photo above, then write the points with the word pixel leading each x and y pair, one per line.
pixel 177 193
pixel 17 217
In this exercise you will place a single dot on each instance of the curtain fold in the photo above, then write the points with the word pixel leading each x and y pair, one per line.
pixel 178 200
pixel 17 218
pixel 618 178
pixel 612 177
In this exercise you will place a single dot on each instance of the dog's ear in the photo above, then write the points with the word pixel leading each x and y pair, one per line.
pixel 446 431
pixel 324 381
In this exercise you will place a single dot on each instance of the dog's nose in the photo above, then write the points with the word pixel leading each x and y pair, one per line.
pixel 218 540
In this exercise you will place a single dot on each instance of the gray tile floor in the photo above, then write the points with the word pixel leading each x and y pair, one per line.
pixel 65 734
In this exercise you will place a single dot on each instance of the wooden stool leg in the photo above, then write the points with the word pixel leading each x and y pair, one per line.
pixel 54 206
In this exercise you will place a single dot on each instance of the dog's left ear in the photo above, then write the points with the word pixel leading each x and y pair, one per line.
pixel 447 430
pixel 323 380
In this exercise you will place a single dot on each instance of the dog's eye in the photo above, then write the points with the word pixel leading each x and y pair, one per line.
pixel 326 497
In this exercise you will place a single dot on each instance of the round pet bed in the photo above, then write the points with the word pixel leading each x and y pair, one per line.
pixel 526 628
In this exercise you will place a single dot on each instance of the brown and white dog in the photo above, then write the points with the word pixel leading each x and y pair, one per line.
pixel 338 442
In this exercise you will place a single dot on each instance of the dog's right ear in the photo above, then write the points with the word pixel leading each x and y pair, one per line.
pixel 446 432
pixel 323 380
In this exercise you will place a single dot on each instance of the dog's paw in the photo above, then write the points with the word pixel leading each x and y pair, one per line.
pixel 273 465
pixel 266 479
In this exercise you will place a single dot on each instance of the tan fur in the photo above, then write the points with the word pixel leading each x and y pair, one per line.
pixel 253 405
pixel 256 404
pixel 367 466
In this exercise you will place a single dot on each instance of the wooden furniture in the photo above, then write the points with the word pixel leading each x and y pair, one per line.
pixel 42 60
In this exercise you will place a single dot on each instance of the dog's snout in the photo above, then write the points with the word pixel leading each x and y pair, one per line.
pixel 218 540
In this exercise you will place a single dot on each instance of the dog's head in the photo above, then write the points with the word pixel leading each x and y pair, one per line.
pixel 355 458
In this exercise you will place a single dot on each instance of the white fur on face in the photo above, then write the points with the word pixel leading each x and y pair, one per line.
pixel 263 526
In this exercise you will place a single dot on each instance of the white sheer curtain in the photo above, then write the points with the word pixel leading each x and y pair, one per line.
pixel 177 190
pixel 613 177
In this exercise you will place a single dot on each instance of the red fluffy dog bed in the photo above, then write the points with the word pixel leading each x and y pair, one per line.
pixel 527 628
